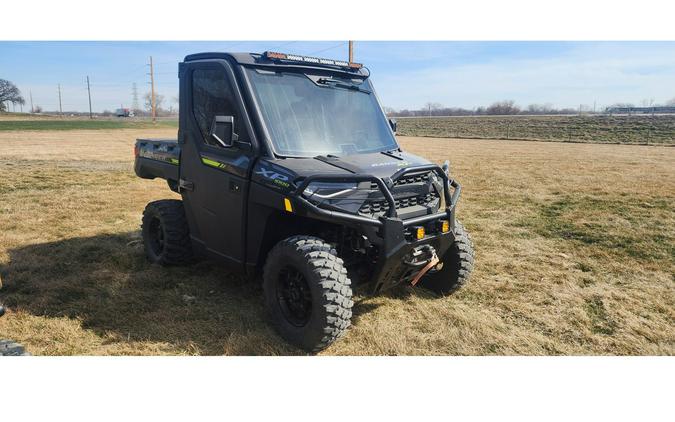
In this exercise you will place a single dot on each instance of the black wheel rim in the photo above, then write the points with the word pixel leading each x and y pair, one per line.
pixel 156 236
pixel 294 296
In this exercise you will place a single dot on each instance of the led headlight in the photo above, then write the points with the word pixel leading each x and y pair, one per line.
pixel 328 190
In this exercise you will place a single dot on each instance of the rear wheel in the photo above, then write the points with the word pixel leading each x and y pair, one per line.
pixel 455 267
pixel 166 235
pixel 307 292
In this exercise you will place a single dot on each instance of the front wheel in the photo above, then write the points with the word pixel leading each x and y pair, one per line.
pixel 455 267
pixel 307 292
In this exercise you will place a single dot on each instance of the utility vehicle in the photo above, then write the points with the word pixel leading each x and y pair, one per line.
pixel 288 168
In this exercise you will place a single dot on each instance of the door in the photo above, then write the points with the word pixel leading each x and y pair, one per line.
pixel 214 177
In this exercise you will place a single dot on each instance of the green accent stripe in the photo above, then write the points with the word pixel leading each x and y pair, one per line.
pixel 211 163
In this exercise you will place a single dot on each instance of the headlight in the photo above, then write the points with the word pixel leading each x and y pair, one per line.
pixel 327 190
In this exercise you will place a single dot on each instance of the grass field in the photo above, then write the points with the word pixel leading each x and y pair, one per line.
pixel 636 129
pixel 81 124
pixel 575 254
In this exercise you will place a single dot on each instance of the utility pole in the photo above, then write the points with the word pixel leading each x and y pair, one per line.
pixel 30 94
pixel 60 106
pixel 351 51
pixel 91 116
pixel 152 92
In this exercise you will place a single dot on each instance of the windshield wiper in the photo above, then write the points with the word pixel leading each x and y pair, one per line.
pixel 333 82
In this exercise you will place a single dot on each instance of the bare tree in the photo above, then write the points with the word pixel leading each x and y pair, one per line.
pixel 388 110
pixel 432 108
pixel 9 92
pixel 541 108
pixel 147 100
pixel 623 105
pixel 503 107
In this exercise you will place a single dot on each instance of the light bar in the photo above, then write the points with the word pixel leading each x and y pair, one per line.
pixel 307 59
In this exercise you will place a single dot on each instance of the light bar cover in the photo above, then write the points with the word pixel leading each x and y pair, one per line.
pixel 307 59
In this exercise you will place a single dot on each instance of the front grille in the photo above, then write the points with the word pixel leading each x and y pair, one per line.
pixel 374 207
pixel 409 190
pixel 406 180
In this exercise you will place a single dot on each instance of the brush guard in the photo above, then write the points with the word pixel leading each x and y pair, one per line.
pixel 393 246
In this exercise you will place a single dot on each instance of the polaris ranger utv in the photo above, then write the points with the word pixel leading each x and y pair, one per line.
pixel 287 164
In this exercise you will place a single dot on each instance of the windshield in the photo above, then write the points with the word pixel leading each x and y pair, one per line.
pixel 310 115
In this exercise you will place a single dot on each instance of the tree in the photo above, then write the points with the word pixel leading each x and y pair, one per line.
pixel 431 108
pixel 9 92
pixel 159 99
pixel 671 102
pixel 540 108
pixel 503 107
pixel 389 111
pixel 37 109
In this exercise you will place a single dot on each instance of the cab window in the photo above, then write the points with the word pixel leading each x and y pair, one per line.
pixel 212 95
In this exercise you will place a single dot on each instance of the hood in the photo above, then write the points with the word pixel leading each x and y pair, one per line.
pixel 418 196
pixel 379 164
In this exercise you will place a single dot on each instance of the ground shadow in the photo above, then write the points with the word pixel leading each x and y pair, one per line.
pixel 106 282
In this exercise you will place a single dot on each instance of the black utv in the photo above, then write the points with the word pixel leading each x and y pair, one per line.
pixel 288 166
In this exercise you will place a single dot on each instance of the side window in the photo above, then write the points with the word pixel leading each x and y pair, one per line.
pixel 212 95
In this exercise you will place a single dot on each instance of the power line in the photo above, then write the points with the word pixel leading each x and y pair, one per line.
pixel 328 48
pixel 282 45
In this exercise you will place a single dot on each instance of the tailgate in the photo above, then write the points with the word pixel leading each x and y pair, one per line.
pixel 157 158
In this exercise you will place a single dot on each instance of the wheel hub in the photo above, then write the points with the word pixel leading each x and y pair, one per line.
pixel 294 296
pixel 156 236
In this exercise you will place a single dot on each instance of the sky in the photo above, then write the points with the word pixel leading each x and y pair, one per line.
pixel 406 74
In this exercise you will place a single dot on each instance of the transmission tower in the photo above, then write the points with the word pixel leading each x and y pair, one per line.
pixel 134 98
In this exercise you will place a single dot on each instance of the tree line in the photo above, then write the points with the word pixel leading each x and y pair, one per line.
pixel 506 107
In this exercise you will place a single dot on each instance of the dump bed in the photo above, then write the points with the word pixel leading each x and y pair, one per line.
pixel 157 158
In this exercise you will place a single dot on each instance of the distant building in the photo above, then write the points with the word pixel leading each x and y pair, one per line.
pixel 640 110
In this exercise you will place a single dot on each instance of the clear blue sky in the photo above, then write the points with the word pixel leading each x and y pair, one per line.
pixel 405 74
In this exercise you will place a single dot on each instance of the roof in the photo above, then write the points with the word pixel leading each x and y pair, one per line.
pixel 256 59
pixel 242 58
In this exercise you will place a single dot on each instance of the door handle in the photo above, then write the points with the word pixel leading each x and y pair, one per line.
pixel 185 185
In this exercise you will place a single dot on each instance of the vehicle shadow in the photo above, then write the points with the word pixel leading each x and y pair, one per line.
pixel 106 283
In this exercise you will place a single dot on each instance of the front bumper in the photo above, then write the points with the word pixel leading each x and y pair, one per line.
pixel 389 229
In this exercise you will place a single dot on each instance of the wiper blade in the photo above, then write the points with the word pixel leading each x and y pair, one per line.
pixel 333 82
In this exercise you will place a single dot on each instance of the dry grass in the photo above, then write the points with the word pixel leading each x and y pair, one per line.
pixel 575 255
pixel 622 129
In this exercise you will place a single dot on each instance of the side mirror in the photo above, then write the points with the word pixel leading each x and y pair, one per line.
pixel 392 123
pixel 222 131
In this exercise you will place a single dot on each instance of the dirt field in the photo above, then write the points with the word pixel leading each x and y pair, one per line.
pixel 621 129
pixel 575 255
